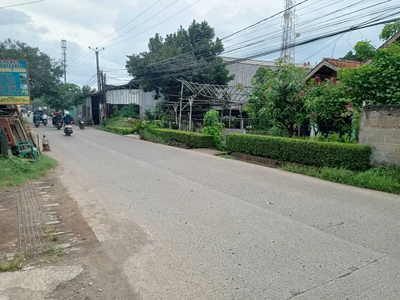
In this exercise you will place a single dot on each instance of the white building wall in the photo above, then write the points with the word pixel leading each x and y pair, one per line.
pixel 145 100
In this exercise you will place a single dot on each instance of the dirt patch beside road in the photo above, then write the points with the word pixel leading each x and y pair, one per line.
pixel 41 221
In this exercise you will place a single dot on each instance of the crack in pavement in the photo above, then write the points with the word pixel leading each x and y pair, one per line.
pixel 295 295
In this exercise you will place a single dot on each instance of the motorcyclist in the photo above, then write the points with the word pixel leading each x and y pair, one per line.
pixel 67 119
pixel 57 118
pixel 44 116
pixel 36 117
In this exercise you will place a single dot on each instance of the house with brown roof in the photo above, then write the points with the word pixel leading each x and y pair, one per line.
pixel 329 67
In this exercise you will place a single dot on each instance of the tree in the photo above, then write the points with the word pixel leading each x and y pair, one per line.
pixel 327 104
pixel 378 81
pixel 190 54
pixel 277 96
pixel 44 72
pixel 214 127
pixel 351 56
pixel 65 96
pixel 389 30
pixel 363 50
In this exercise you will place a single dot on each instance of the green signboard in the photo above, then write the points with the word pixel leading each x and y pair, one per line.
pixel 14 82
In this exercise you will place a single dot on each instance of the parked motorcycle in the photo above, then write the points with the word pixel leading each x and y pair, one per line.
pixel 81 123
pixel 68 130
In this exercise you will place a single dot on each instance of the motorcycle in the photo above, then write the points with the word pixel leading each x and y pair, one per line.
pixel 44 121
pixel 59 124
pixel 81 123
pixel 68 130
pixel 37 124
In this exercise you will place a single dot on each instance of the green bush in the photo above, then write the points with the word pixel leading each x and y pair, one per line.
pixel 190 139
pixel 311 153
pixel 120 130
pixel 214 128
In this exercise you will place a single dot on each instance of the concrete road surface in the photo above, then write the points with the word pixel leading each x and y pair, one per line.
pixel 179 224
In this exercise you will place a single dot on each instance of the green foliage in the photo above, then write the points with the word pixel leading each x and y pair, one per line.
pixel 211 118
pixel 12 265
pixel 378 82
pixel 306 152
pixel 276 96
pixel 65 96
pixel 18 165
pixel 334 137
pixel 364 50
pixel 389 30
pixel 190 139
pixel 327 104
pixel 123 125
pixel 386 179
pixel 214 128
pixel 351 56
pixel 15 171
pixel 44 72
pixel 128 111
pixel 119 130
pixel 192 54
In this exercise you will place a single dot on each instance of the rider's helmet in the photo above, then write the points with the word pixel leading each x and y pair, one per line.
pixel 57 112
pixel 67 113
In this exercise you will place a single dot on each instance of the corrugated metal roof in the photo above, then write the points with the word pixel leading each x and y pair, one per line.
pixel 245 70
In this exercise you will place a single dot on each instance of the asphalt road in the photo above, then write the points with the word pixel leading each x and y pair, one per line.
pixel 186 225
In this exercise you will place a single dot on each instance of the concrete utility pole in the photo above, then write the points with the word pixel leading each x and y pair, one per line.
pixel 97 50
pixel 289 32
pixel 180 108
pixel 64 55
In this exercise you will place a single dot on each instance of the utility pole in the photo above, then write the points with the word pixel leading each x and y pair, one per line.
pixel 289 32
pixel 97 50
pixel 64 56
pixel 180 107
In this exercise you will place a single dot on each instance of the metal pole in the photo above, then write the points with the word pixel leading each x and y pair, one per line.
pixel 64 53
pixel 230 116
pixel 180 107
pixel 190 114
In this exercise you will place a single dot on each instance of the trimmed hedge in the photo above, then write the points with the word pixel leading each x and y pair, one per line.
pixel 305 152
pixel 120 130
pixel 190 139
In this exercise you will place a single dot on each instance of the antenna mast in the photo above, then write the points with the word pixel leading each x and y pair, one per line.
pixel 289 32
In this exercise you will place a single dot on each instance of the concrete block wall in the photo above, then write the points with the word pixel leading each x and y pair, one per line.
pixel 380 129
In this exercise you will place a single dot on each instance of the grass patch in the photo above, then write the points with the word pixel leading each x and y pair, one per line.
pixel 227 156
pixel 119 122
pixel 12 265
pixel 54 251
pixel 385 179
pixel 16 171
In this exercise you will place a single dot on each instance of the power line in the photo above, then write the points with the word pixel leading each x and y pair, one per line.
pixel 161 11
pixel 128 22
pixel 20 4
pixel 278 49
pixel 316 26
pixel 84 63
pixel 156 24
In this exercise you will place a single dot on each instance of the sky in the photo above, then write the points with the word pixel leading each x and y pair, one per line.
pixel 94 23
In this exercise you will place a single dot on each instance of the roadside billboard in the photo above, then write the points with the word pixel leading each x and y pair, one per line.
pixel 14 82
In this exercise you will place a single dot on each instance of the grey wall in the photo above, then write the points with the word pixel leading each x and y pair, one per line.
pixel 380 129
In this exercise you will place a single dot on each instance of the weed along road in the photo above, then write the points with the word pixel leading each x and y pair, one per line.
pixel 179 224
